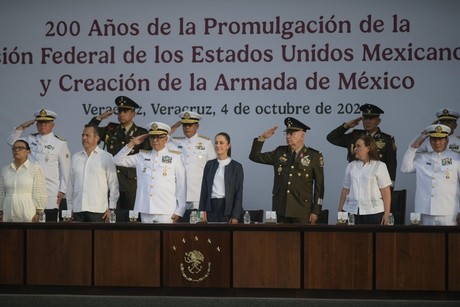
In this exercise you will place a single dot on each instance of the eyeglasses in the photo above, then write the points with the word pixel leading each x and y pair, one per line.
pixel 18 148
pixel 158 137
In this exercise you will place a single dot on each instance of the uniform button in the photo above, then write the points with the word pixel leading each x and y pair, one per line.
pixel 123 143
pixel 292 166
pixel 288 191
pixel 289 182
pixel 290 175
pixel 118 171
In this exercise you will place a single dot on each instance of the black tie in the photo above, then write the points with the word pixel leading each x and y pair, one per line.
pixel 293 157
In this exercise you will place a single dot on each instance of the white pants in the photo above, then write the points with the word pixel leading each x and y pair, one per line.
pixel 156 218
pixel 438 220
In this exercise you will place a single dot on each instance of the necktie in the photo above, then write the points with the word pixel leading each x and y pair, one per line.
pixel 293 157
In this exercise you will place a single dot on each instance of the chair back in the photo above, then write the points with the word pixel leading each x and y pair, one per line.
pixel 398 206
pixel 323 217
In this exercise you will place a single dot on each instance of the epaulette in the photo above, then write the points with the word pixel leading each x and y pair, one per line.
pixel 204 137
pixel 59 137
pixel 315 150
pixel 175 152
pixel 34 134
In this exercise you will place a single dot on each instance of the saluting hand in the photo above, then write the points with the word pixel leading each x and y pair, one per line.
pixel 105 114
pixel 419 140
pixel 137 140
pixel 174 127
pixel 25 125
pixel 269 132
pixel 353 123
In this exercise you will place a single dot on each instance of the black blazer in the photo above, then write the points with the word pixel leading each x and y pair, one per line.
pixel 233 178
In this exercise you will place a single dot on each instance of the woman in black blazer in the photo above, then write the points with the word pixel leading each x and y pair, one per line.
pixel 222 185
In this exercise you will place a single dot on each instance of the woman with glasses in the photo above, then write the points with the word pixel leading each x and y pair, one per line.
pixel 23 193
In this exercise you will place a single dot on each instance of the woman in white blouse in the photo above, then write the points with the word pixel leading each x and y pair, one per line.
pixel 366 188
pixel 222 185
pixel 23 191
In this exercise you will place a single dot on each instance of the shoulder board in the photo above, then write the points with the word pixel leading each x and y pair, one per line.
pixel 179 138
pixel 204 137
pixel 59 137
pixel 175 152
pixel 113 125
pixel 34 134
pixel 386 135
pixel 315 150
pixel 458 137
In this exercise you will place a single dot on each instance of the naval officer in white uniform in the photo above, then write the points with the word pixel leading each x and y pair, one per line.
pixel 52 153
pixel 161 186
pixel 437 195
pixel 196 151
pixel 447 117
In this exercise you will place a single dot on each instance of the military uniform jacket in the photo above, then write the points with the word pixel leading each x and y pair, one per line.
pixel 386 145
pixel 161 187
pixel 115 139
pixel 196 151
pixel 437 181
pixel 298 187
pixel 52 153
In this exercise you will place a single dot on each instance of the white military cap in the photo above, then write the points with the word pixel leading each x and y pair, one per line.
pixel 189 117
pixel 447 114
pixel 45 115
pixel 157 128
pixel 438 131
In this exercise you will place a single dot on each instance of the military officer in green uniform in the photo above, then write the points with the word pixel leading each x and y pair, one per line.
pixel 371 119
pixel 115 136
pixel 298 187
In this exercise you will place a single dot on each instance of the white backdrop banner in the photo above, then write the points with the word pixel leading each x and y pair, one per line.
pixel 245 65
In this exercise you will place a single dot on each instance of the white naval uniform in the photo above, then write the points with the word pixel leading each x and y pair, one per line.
pixel 52 153
pixel 196 151
pixel 437 181
pixel 161 187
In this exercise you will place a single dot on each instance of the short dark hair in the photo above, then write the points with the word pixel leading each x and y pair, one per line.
pixel 23 141
pixel 96 132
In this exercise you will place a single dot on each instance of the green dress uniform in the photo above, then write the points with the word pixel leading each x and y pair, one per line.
pixel 386 145
pixel 115 138
pixel 298 187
